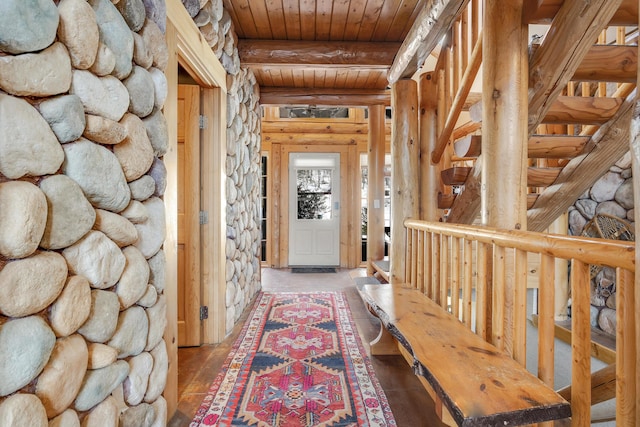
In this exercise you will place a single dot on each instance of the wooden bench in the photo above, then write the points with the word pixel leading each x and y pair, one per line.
pixel 381 267
pixel 477 383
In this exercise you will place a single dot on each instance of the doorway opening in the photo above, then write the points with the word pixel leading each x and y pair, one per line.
pixel 314 209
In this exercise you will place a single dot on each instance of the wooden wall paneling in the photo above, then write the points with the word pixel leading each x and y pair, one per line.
pixel 170 246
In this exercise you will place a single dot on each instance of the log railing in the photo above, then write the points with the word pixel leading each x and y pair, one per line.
pixel 448 263
pixel 458 64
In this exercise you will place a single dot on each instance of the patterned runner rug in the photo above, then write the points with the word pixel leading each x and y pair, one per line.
pixel 298 362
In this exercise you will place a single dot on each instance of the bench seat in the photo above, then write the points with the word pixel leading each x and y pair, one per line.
pixel 478 384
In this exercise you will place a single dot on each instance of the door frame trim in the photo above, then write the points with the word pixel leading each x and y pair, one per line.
pixel 348 213
pixel 186 46
pixel 335 156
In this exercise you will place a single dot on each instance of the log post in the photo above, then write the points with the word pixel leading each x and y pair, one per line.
pixel 428 127
pixel 405 151
pixel 504 146
pixel 504 116
pixel 375 187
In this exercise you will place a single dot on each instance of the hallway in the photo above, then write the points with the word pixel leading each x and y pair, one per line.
pixel 198 366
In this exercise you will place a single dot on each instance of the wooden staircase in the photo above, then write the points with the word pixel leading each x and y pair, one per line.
pixel 580 103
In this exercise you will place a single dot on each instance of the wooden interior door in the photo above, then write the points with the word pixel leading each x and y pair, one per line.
pixel 188 216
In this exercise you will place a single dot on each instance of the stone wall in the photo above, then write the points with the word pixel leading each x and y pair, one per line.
pixel 243 158
pixel 82 136
pixel 612 195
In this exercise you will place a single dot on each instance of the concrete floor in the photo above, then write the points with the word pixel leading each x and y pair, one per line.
pixel 198 366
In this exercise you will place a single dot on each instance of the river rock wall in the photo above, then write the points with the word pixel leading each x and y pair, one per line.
pixel 612 195
pixel 82 136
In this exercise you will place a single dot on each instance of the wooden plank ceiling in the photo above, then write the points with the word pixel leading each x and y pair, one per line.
pixel 321 44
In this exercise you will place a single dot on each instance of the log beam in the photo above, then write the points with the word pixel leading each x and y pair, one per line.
pixel 319 96
pixel 573 30
pixel 301 54
pixel 433 21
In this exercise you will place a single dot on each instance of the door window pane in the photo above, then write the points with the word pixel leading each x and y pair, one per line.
pixel 314 193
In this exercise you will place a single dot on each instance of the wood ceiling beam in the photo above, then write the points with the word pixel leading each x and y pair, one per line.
pixel 300 54
pixel 607 63
pixel 606 147
pixel 572 33
pixel 432 23
pixel 328 97
pixel 301 125
pixel 543 12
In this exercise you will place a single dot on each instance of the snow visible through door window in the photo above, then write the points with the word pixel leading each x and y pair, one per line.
pixel 314 193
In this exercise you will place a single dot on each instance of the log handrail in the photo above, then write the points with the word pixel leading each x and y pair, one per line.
pixel 439 265
pixel 586 249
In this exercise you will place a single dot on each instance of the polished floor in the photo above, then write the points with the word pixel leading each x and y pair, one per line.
pixel 198 366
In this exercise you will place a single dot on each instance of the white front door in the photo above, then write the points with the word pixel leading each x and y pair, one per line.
pixel 314 209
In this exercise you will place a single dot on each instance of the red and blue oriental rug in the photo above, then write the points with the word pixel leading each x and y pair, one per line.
pixel 298 362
